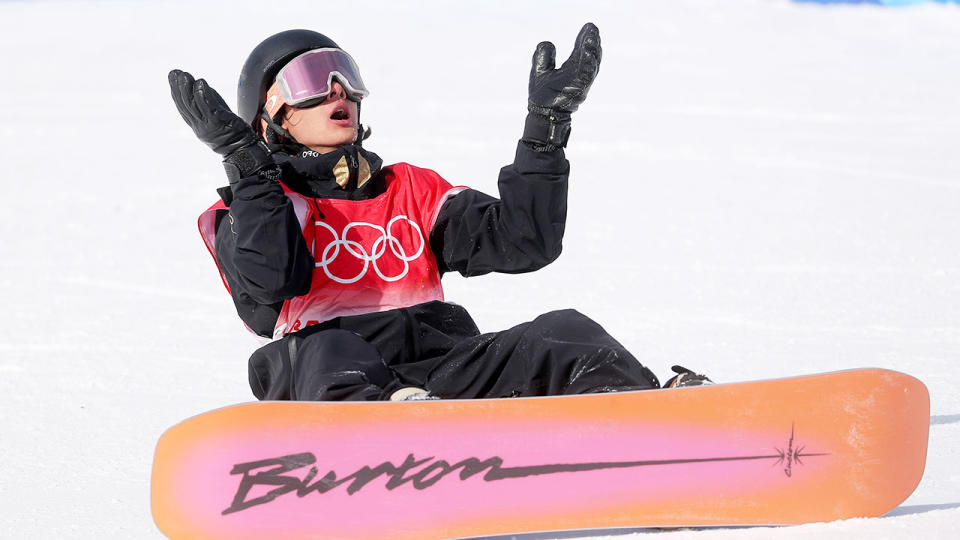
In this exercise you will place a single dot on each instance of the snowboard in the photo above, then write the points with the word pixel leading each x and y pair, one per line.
pixel 785 451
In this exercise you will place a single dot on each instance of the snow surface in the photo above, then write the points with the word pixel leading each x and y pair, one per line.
pixel 759 188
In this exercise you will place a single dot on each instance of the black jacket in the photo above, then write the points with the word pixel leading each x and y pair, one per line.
pixel 261 250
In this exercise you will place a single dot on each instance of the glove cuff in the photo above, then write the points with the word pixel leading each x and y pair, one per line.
pixel 247 161
pixel 546 129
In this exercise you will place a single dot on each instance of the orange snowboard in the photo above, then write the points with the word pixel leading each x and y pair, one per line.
pixel 785 451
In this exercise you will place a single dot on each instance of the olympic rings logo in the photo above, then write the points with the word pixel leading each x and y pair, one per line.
pixel 379 248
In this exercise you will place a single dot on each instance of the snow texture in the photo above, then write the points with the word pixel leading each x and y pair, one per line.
pixel 759 188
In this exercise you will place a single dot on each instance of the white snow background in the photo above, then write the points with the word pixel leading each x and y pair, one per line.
pixel 759 189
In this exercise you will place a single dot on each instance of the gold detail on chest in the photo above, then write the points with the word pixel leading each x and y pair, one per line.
pixel 341 171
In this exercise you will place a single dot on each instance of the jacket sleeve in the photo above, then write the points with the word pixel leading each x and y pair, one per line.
pixel 522 231
pixel 260 245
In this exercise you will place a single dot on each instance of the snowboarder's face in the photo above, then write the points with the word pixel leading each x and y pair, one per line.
pixel 325 126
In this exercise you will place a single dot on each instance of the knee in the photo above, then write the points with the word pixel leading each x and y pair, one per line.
pixel 268 371
pixel 566 323
pixel 562 317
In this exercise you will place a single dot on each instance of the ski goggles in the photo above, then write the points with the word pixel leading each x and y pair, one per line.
pixel 308 78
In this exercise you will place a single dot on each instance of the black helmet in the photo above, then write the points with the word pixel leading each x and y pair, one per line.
pixel 265 62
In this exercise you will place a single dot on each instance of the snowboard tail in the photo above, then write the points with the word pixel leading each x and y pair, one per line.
pixel 785 451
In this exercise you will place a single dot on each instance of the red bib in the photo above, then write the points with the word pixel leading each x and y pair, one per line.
pixel 370 255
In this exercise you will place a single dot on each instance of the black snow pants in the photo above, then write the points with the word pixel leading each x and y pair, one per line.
pixel 436 346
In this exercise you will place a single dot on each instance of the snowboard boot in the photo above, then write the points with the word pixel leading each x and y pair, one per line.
pixel 686 377
pixel 411 393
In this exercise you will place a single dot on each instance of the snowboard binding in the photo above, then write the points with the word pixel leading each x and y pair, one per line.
pixel 685 377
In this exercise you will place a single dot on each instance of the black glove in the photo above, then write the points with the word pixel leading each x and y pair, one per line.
pixel 212 122
pixel 555 93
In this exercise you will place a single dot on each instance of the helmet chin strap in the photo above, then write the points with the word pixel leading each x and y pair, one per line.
pixel 363 132
pixel 279 138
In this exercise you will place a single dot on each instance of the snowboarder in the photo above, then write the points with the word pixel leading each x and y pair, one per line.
pixel 338 258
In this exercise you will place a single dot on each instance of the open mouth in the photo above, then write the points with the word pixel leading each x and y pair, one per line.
pixel 340 114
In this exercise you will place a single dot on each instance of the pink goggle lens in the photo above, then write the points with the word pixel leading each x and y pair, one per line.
pixel 309 76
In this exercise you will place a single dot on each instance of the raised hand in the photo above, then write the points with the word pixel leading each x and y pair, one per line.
pixel 564 89
pixel 208 115
pixel 214 123
pixel 555 93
